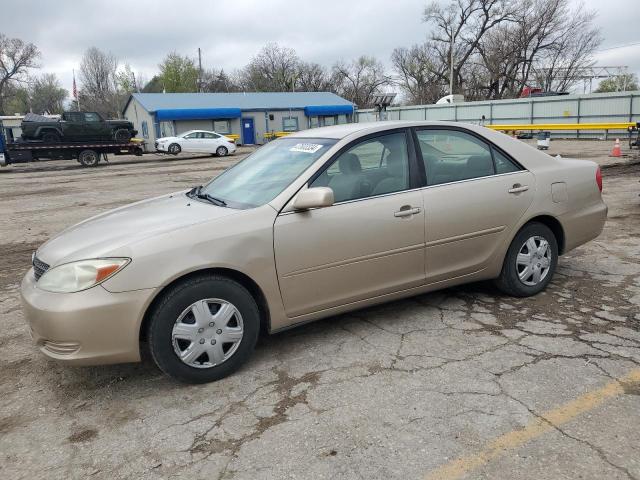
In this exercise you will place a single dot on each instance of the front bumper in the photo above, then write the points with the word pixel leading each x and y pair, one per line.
pixel 91 327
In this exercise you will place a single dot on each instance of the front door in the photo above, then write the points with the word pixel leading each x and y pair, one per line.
pixel 248 132
pixel 95 129
pixel 474 198
pixel 369 243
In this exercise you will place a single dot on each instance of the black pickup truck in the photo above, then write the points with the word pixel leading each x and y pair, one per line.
pixel 77 127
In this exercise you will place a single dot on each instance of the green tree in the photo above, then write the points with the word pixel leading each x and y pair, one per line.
pixel 47 95
pixel 17 99
pixel 153 86
pixel 178 74
pixel 126 80
pixel 620 83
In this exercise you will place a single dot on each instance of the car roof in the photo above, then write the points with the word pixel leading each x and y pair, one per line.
pixel 196 131
pixel 346 129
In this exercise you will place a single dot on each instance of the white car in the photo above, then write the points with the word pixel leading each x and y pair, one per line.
pixel 197 141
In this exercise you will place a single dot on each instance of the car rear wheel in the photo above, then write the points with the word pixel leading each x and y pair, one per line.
pixel 203 329
pixel 89 158
pixel 222 151
pixel 530 261
pixel 122 135
pixel 174 149
pixel 50 137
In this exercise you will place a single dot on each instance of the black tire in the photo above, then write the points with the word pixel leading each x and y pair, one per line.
pixel 174 149
pixel 222 151
pixel 89 158
pixel 51 137
pixel 122 135
pixel 509 281
pixel 175 301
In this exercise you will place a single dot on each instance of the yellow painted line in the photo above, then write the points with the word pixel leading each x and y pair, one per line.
pixel 517 438
pixel 562 126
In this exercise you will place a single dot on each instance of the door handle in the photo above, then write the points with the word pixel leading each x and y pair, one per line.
pixel 517 188
pixel 406 211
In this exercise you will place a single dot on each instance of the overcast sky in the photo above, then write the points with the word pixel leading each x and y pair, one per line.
pixel 142 32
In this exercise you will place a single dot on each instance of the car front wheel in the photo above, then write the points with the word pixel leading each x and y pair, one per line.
pixel 174 149
pixel 530 261
pixel 203 329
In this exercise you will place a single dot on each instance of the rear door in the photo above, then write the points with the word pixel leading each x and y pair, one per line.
pixel 474 198
pixel 210 142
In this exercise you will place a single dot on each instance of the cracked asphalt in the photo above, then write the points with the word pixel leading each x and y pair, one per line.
pixel 462 383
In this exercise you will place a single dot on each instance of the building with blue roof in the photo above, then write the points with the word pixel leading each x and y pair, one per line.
pixel 248 115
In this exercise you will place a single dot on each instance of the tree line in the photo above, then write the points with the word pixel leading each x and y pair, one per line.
pixel 482 49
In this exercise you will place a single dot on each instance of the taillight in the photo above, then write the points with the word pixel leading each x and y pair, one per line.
pixel 599 179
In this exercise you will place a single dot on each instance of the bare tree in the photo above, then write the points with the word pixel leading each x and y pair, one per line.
pixel 273 69
pixel 360 79
pixel 461 27
pixel 313 77
pixel 16 58
pixel 417 74
pixel 218 81
pixel 98 83
pixel 561 64
pixel 547 43
pixel 47 94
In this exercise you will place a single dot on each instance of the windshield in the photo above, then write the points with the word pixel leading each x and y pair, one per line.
pixel 265 173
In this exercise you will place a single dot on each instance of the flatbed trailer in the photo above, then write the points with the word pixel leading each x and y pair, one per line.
pixel 88 154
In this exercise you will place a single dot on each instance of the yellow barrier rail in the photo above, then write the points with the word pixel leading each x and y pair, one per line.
pixel 233 136
pixel 272 135
pixel 563 126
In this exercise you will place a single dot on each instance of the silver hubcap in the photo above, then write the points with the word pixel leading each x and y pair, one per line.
pixel 207 333
pixel 222 151
pixel 533 261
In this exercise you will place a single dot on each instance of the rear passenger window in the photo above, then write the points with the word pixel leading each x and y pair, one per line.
pixel 451 156
pixel 503 164
pixel 373 167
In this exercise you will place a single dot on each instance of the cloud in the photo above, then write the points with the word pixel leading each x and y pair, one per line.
pixel 141 33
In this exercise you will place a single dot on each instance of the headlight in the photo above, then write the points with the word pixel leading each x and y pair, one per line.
pixel 76 276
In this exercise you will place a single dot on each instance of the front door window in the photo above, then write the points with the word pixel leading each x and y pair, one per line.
pixel 373 167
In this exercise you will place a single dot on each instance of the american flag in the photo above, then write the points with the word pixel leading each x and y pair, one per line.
pixel 75 90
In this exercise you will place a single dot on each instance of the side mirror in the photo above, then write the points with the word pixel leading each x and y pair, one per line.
pixel 316 197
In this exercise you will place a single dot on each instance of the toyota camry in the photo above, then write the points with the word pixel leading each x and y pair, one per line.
pixel 320 222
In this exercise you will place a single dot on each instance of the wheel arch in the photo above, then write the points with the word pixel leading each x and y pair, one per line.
pixel 554 225
pixel 242 278
pixel 49 128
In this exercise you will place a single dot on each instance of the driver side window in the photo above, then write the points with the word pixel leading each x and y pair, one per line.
pixel 373 167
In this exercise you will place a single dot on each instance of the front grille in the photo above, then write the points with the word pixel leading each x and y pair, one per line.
pixel 39 267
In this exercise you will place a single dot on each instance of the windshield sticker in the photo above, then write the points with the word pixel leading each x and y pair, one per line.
pixel 306 147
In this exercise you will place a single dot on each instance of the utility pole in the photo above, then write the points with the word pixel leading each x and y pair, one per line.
pixel 453 40
pixel 199 70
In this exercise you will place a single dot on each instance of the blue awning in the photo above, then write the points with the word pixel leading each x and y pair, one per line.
pixel 313 110
pixel 197 113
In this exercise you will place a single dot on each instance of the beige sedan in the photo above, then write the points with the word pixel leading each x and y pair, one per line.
pixel 321 222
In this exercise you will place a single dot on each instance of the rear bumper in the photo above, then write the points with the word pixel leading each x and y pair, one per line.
pixel 91 327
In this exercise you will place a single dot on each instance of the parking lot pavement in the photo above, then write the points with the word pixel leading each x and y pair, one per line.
pixel 463 383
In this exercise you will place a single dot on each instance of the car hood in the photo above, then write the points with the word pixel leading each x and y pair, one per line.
pixel 166 139
pixel 99 236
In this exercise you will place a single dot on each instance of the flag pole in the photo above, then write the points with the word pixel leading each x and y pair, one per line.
pixel 75 90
